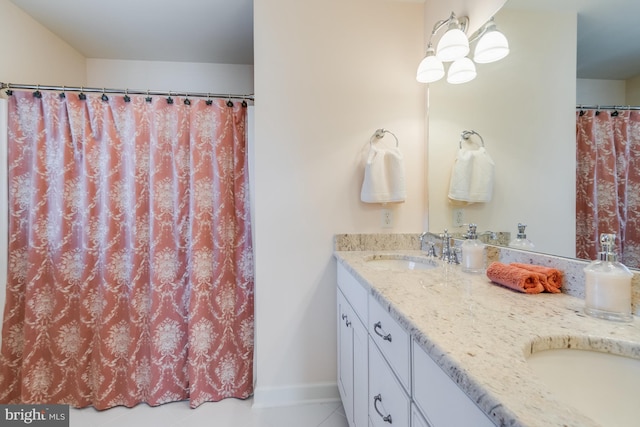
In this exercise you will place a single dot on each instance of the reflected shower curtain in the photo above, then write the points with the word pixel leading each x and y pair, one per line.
pixel 130 262
pixel 608 182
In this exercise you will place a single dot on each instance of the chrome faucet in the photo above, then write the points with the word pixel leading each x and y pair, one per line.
pixel 449 254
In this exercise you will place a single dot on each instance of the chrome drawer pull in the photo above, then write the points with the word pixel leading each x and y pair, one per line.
pixel 346 319
pixel 385 418
pixel 378 325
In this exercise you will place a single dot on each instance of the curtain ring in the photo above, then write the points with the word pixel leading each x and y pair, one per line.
pixel 229 103
pixel 81 95
pixel 62 94
pixel 148 98
pixel 209 101
pixel 104 96
pixel 186 100
pixel 127 98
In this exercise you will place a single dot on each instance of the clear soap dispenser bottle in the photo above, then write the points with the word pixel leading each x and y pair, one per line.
pixel 521 241
pixel 608 284
pixel 473 252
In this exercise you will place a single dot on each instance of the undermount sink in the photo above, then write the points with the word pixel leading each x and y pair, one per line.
pixel 602 386
pixel 401 262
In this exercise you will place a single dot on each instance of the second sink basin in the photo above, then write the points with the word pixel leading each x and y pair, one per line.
pixel 603 386
pixel 400 262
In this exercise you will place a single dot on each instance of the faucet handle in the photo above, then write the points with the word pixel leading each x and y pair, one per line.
pixel 432 250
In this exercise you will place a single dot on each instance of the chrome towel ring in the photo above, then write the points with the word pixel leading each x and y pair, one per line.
pixel 466 134
pixel 379 134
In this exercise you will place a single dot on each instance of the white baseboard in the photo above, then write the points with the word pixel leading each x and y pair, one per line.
pixel 265 397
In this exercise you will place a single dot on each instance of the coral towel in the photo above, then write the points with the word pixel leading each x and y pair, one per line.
pixel 383 176
pixel 553 277
pixel 472 176
pixel 518 279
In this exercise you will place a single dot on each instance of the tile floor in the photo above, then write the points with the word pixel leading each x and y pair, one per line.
pixel 226 413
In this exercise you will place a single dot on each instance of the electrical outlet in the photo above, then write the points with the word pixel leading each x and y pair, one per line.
pixel 458 217
pixel 387 218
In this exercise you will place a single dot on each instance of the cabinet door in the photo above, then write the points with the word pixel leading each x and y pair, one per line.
pixel 417 420
pixel 345 356
pixel 360 374
pixel 440 398
pixel 389 404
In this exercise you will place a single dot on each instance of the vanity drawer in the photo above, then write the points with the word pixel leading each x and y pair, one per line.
pixel 355 293
pixel 392 340
pixel 389 404
pixel 440 398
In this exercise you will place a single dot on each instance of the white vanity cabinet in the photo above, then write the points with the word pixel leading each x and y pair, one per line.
pixel 438 397
pixel 353 367
pixel 385 378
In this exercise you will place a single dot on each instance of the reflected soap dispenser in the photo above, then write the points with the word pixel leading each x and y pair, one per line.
pixel 608 284
pixel 473 252
pixel 521 241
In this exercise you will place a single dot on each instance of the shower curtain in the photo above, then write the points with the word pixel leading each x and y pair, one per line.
pixel 130 261
pixel 608 182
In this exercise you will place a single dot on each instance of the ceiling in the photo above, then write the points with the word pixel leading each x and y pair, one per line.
pixel 607 35
pixel 221 31
pixel 208 31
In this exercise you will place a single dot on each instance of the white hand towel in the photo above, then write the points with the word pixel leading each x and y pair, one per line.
pixel 472 176
pixel 383 176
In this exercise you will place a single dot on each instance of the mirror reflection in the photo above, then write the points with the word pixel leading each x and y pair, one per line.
pixel 525 108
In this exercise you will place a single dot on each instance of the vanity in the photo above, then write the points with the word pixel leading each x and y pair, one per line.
pixel 431 346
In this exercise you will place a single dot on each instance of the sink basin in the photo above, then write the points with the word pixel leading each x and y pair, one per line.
pixel 602 386
pixel 400 262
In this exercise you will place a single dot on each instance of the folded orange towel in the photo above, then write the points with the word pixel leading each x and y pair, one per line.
pixel 518 279
pixel 553 277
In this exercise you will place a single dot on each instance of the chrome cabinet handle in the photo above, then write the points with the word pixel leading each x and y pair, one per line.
pixel 378 325
pixel 385 418
pixel 347 321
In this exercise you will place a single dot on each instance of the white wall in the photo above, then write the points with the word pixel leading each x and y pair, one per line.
pixel 601 92
pixel 32 54
pixel 327 75
pixel 524 108
pixel 170 76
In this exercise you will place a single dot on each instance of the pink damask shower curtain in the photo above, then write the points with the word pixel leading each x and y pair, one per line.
pixel 608 182
pixel 130 261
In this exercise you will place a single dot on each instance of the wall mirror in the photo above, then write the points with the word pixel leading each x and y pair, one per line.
pixel 524 107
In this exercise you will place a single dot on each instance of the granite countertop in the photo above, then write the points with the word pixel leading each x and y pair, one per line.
pixel 480 334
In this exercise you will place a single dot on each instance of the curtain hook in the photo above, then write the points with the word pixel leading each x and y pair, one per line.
pixel 209 101
pixel 148 98
pixel 186 100
pixel 62 94
pixel 126 96
pixel 104 96
pixel 169 99
pixel 37 93
pixel 81 95
pixel 9 91
pixel 229 103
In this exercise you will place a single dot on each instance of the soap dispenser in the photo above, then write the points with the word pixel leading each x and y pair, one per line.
pixel 521 241
pixel 473 252
pixel 608 284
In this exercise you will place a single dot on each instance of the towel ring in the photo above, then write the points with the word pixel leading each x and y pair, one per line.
pixel 379 134
pixel 466 134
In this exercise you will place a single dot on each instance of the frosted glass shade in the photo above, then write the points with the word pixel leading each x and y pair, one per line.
pixel 452 45
pixel 491 47
pixel 430 69
pixel 461 71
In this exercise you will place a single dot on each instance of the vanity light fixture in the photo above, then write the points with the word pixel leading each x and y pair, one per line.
pixel 453 47
pixel 492 44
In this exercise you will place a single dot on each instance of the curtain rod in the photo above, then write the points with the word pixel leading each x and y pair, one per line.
pixel 124 91
pixel 607 107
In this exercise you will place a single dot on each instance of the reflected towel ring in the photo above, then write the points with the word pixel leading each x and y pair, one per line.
pixel 466 134
pixel 379 134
